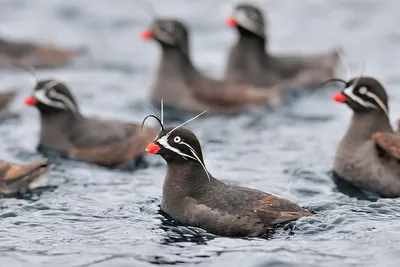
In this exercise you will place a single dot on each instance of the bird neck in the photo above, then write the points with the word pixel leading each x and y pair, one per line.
pixel 55 126
pixel 364 124
pixel 176 62
pixel 175 74
pixel 186 178
pixel 250 49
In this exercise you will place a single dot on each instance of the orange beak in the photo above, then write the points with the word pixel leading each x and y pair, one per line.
pixel 339 97
pixel 231 22
pixel 30 101
pixel 146 35
pixel 152 148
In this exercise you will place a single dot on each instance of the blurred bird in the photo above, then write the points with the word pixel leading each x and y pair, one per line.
pixel 184 87
pixel 250 62
pixel 18 178
pixel 67 132
pixel 35 55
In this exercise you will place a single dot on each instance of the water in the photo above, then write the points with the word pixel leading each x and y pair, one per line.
pixel 92 216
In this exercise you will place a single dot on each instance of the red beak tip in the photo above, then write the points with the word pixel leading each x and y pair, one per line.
pixel 152 148
pixel 146 35
pixel 30 101
pixel 339 97
pixel 231 22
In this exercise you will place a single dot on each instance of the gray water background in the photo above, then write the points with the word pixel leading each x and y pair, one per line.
pixel 92 216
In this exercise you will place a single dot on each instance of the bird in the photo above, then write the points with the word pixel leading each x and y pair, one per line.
pixel 19 178
pixel 182 86
pixel 368 156
pixel 193 196
pixel 35 55
pixel 249 60
pixel 67 132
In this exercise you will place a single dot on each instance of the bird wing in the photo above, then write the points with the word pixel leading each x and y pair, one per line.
pixel 110 146
pixel 270 209
pixel 279 212
pixel 388 142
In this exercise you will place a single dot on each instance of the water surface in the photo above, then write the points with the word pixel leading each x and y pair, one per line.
pixel 92 216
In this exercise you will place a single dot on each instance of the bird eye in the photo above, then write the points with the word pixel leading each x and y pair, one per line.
pixel 177 139
pixel 51 93
pixel 362 90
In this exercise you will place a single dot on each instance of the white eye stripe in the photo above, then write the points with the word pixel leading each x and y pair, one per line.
pixel 68 103
pixel 364 91
pixel 248 23
pixel 49 85
pixel 40 94
pixel 349 91
pixel 65 103
pixel 197 158
pixel 379 101
pixel 163 141
pixel 42 97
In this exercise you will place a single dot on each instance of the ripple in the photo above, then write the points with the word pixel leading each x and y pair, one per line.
pixel 93 216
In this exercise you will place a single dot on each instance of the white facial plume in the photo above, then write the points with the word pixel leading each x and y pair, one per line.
pixel 353 89
pixel 163 141
pixel 248 20
pixel 50 97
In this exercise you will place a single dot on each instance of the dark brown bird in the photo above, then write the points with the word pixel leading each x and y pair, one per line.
pixel 368 155
pixel 67 132
pixel 35 55
pixel 250 62
pixel 191 195
pixel 18 178
pixel 182 86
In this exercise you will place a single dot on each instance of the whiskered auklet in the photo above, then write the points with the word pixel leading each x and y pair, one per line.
pixel 250 62
pixel 18 178
pixel 67 132
pixel 182 86
pixel 191 195
pixel 368 155
pixel 35 55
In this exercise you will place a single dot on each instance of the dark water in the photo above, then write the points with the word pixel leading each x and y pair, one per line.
pixel 92 216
